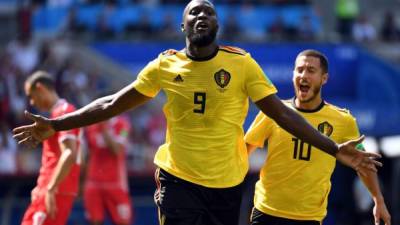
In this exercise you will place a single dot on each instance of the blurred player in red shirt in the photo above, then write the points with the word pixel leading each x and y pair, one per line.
pixel 106 187
pixel 57 184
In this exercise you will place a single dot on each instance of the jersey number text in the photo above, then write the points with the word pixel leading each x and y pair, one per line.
pixel 299 152
pixel 199 99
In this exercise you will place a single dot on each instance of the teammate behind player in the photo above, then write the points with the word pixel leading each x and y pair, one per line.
pixel 295 179
pixel 106 185
pixel 204 159
pixel 57 184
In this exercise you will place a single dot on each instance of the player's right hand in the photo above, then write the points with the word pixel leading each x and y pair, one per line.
pixel 360 161
pixel 31 135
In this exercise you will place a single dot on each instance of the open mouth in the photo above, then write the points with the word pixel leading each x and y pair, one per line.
pixel 304 88
pixel 201 26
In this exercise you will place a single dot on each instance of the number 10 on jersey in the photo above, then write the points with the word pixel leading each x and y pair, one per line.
pixel 299 152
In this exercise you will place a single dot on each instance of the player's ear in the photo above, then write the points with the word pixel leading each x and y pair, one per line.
pixel 182 27
pixel 38 85
pixel 325 77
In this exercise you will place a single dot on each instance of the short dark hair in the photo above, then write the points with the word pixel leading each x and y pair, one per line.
pixel 314 53
pixel 187 6
pixel 42 77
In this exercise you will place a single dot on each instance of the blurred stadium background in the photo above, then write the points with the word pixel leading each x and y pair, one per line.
pixel 96 46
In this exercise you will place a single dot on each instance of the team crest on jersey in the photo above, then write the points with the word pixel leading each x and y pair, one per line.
pixel 222 78
pixel 325 128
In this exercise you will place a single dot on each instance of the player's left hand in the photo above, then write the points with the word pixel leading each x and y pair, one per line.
pixel 360 161
pixel 381 213
pixel 31 135
pixel 50 202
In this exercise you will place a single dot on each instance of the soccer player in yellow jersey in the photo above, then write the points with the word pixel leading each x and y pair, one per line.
pixel 204 159
pixel 295 180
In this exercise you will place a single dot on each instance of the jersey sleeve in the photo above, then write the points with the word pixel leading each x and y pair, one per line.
pixel 259 130
pixel 351 131
pixel 147 82
pixel 257 83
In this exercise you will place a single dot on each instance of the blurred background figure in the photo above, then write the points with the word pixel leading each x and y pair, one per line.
pixel 347 12
pixel 8 151
pixel 390 30
pixel 58 181
pixel 106 190
pixel 363 30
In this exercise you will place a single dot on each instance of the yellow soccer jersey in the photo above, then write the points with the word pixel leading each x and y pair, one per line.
pixel 295 178
pixel 207 102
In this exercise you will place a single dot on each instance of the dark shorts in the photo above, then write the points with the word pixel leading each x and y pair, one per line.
pixel 184 203
pixel 260 218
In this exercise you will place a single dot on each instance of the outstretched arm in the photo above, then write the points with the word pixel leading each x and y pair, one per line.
pixel 99 110
pixel 292 122
pixel 296 124
pixel 380 210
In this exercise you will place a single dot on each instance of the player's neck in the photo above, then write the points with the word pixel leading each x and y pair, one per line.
pixel 53 99
pixel 309 105
pixel 206 52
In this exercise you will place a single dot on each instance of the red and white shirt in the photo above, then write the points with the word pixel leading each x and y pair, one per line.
pixel 52 152
pixel 105 169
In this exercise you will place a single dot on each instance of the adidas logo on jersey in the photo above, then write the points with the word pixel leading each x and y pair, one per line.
pixel 178 79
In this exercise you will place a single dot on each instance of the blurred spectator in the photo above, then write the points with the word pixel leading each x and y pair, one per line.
pixel 287 2
pixel 169 29
pixel 142 28
pixel 24 53
pixel 231 30
pixel 74 83
pixel 24 17
pixel 60 3
pixel 148 3
pixel 103 29
pixel 4 97
pixel 97 82
pixel 71 27
pixel 390 31
pixel 47 60
pixel 8 151
pixel 11 94
pixel 305 30
pixel 346 13
pixel 363 30
pixel 278 30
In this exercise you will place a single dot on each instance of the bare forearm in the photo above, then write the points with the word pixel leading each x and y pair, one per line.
pixel 299 127
pixel 96 111
pixel 100 109
pixel 371 182
pixel 62 169
pixel 293 123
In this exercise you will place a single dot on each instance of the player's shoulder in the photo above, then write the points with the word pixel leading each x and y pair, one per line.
pixel 63 107
pixel 232 50
pixel 287 101
pixel 339 110
pixel 169 52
